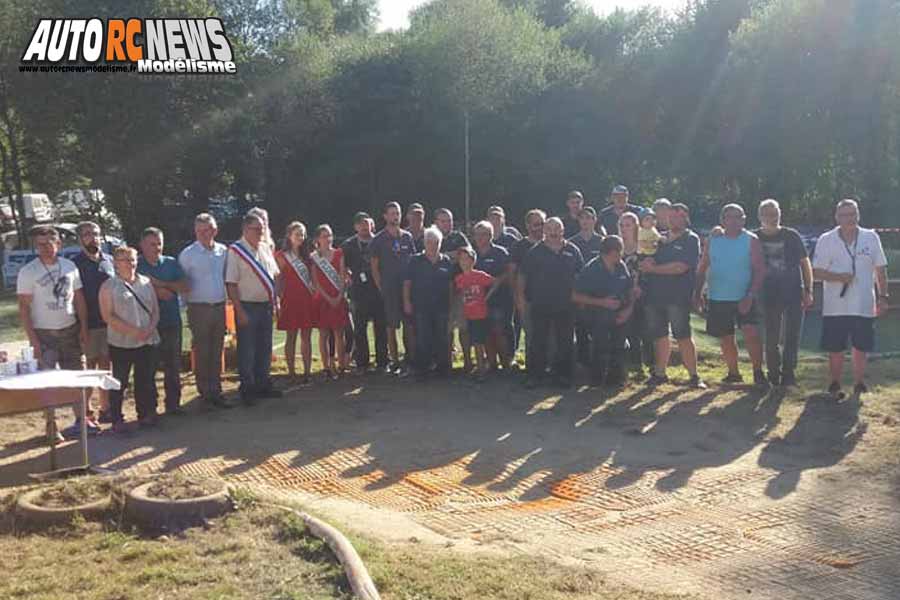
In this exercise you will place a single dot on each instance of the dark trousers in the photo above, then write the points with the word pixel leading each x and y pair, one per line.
pixel 543 322
pixel 583 333
pixel 369 307
pixel 168 356
pixel 640 346
pixel 786 317
pixel 431 339
pixel 254 343
pixel 123 359
pixel 608 349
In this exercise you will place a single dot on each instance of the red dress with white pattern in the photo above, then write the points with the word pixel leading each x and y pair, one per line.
pixel 338 316
pixel 299 304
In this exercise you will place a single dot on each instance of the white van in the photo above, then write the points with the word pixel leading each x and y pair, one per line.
pixel 38 208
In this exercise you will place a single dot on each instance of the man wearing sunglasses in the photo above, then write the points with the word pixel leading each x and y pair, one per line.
pixel 53 311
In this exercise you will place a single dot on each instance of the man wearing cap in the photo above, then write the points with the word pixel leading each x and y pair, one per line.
pixel 574 204
pixel 546 279
pixel 504 235
pixel 365 299
pixel 588 241
pixel 390 252
pixel 618 205
pixel 415 218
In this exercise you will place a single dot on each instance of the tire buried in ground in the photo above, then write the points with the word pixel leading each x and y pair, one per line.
pixel 163 513
pixel 34 514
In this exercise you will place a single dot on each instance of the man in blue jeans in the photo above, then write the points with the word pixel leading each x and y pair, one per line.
pixel 426 298
pixel 250 271
pixel 168 281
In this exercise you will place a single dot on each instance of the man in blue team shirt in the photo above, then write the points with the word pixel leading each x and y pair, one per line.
pixel 618 205
pixel 168 280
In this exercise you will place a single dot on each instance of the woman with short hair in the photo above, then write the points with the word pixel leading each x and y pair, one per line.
pixel 129 307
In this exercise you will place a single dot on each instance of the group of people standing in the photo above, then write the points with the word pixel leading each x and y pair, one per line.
pixel 606 290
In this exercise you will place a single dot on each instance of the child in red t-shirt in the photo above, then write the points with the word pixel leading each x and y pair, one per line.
pixel 476 287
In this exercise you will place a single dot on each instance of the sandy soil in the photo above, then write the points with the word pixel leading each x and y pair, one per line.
pixel 725 493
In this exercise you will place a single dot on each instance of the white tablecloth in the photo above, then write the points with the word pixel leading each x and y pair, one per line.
pixel 60 379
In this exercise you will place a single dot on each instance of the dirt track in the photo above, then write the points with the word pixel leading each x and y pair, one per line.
pixel 719 492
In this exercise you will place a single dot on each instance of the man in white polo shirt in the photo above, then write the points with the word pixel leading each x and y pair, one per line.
pixel 250 274
pixel 851 263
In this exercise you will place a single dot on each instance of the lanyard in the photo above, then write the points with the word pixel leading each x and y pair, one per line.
pixel 851 252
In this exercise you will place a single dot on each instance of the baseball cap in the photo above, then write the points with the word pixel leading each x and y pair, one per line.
pixel 360 217
pixel 620 189
pixel 496 210
pixel 415 207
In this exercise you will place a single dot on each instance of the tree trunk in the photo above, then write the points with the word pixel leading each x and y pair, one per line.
pixel 17 204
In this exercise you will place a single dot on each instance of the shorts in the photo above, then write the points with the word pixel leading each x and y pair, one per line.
pixel 659 317
pixel 97 347
pixel 457 319
pixel 837 330
pixel 721 318
pixel 393 305
pixel 60 347
pixel 478 331
pixel 500 317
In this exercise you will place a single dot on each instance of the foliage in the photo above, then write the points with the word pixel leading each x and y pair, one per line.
pixel 722 100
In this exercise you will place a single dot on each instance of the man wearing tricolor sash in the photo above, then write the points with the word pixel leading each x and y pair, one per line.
pixel 250 279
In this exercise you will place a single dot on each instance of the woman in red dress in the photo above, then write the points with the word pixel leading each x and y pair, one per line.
pixel 334 312
pixel 298 293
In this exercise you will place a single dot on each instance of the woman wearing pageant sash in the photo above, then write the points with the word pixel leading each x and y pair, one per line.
pixel 299 301
pixel 334 312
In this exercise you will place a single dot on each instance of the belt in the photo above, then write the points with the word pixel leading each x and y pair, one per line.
pixel 206 303
pixel 266 303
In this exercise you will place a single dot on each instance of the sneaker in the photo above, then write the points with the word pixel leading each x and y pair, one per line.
pixel 759 378
pixel 655 380
pixel 219 401
pixel 73 432
pixel 562 381
pixel 788 379
pixel 148 422
pixel 697 383
pixel 121 428
pixel 732 378
pixel 614 383
pixel 532 383
pixel 834 388
pixel 271 392
pixel 860 389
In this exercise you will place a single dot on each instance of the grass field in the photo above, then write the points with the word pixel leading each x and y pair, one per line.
pixel 259 552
